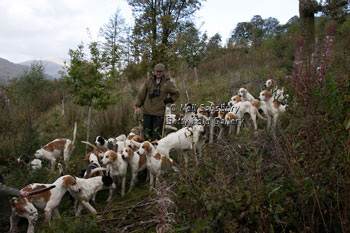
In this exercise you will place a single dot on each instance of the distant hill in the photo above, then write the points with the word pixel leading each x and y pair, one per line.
pixel 51 66
pixel 9 70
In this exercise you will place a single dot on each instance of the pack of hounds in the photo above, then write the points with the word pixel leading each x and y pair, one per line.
pixel 109 159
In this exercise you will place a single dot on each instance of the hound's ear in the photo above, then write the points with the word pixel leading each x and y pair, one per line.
pixel 115 147
pixel 107 180
pixel 82 172
pixel 130 151
pixel 110 145
pixel 87 157
pixel 101 140
pixel 268 94
pixel 154 143
pixel 68 180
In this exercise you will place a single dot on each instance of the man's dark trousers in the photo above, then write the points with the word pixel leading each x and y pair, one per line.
pixel 152 127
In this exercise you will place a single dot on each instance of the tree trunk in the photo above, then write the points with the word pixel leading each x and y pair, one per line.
pixel 62 107
pixel 182 76
pixel 195 75
pixel 63 102
pixel 307 10
pixel 154 32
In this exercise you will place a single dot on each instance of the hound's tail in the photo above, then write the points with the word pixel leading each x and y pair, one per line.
pixel 60 169
pixel 172 164
pixel 260 116
pixel 98 169
pixel 74 133
pixel 210 102
pixel 98 148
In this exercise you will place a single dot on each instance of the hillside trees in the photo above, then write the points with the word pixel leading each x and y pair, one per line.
pixel 28 98
pixel 312 59
pixel 271 26
pixel 213 47
pixel 190 45
pixel 242 35
pixel 258 30
pixel 27 89
pixel 336 9
pixel 252 34
pixel 86 81
pixel 114 46
pixel 156 25
pixel 307 10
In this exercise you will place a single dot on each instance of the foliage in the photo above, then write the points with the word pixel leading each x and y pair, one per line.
pixel 28 89
pixel 114 47
pixel 133 71
pixel 28 96
pixel 156 25
pixel 85 79
pixel 342 51
pixel 335 9
pixel 190 46
pixel 253 33
pixel 213 47
pixel 116 119
pixel 294 181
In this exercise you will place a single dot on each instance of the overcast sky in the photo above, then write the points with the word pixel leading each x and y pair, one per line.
pixel 34 29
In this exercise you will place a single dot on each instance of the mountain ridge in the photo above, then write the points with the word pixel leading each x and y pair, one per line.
pixel 10 70
pixel 52 66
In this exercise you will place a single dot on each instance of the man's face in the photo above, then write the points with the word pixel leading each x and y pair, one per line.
pixel 159 74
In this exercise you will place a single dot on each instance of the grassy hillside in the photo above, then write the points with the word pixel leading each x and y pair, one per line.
pixel 254 181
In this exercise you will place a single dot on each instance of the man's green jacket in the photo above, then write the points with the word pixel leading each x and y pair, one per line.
pixel 154 104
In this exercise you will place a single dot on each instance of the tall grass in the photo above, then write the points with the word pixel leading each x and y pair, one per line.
pixel 294 181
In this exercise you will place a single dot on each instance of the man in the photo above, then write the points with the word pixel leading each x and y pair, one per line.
pixel 157 92
pixel 5 193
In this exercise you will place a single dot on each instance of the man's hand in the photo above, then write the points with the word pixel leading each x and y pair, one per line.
pixel 24 193
pixel 168 101
pixel 138 111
